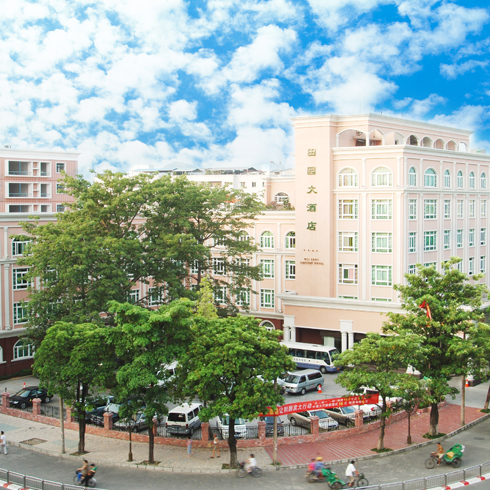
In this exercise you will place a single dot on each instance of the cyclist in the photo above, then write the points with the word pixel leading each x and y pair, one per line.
pixel 251 464
pixel 318 467
pixel 351 472
pixel 439 453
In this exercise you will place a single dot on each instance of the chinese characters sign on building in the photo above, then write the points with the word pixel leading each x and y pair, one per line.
pixel 345 401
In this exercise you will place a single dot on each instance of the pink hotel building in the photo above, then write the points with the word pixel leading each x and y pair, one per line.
pixel 370 197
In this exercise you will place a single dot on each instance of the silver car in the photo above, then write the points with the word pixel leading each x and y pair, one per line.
pixel 304 419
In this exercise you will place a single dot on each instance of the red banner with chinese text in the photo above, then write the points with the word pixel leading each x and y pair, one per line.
pixel 345 401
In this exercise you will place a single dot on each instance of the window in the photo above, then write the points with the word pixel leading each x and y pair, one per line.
pixel 242 298
pixel 18 168
pixel 348 297
pixel 430 208
pixel 348 178
pixel 60 189
pixel 133 296
pixel 382 177
pixel 60 167
pixel 447 239
pixel 430 178
pixel 459 266
pixel 19 246
pixel 472 180
pixel 347 241
pixel 254 184
pixel 347 273
pixel 471 266
pixel 483 180
pixel 219 266
pixel 220 294
pixel 19 190
pixel 381 242
pixel 23 350
pixel 267 298
pixel 381 275
pixel 483 264
pixel 412 209
pixel 471 237
pixel 268 326
pixel 483 208
pixel 194 267
pixel 471 208
pixel 431 264
pixel 483 236
pixel 412 269
pixel 20 313
pixel 412 242
pixel 243 237
pixel 412 177
pixel 290 269
pixel 459 180
pixel 219 241
pixel 155 297
pixel 291 240
pixel 459 238
pixel 267 240
pixel 280 197
pixel 383 300
pixel 19 208
pixel 267 268
pixel 430 241
pixel 447 209
pixel 447 179
pixel 19 278
pixel 347 208
pixel 60 208
pixel 381 208
pixel 460 208
pixel 243 185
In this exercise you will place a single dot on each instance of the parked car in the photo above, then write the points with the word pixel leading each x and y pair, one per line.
pixel 303 380
pixel 222 423
pixel 114 408
pixel 269 426
pixel 23 398
pixel 280 384
pixel 138 424
pixel 304 419
pixel 344 415
pixel 99 405
pixel 184 419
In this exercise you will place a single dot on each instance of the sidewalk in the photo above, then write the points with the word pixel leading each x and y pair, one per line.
pixel 108 451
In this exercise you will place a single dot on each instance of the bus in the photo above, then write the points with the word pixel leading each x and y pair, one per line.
pixel 313 356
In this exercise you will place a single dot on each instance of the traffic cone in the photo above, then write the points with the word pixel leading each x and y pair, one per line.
pixel 319 389
pixel 24 384
pixel 467 385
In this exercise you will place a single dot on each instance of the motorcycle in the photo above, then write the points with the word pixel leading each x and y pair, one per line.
pixel 241 472
pixel 89 481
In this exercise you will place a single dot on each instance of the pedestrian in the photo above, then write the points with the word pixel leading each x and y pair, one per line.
pixel 3 442
pixel 216 446
pixel 189 446
pixel 351 472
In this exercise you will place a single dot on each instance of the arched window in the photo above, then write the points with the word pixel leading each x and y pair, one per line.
pixel 412 177
pixel 472 180
pixel 348 178
pixel 291 240
pixel 281 197
pixel 267 240
pixel 244 236
pixel 23 350
pixel 382 177
pixel 447 178
pixel 430 178
pixel 427 142
pixel 451 145
pixel 463 147
pixel 459 180
pixel 268 325
pixel 439 144
pixel 19 245
pixel 413 140
pixel 483 180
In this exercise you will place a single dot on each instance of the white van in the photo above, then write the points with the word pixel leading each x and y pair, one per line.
pixel 222 424
pixel 184 419
pixel 302 381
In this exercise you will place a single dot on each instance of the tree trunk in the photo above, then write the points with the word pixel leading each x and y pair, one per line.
pixel 62 427
pixel 487 401
pixel 409 436
pixel 232 442
pixel 81 432
pixel 382 426
pixel 463 400
pixel 151 444
pixel 434 420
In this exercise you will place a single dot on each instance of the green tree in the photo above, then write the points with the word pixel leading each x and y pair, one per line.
pixel 205 304
pixel 144 342
pixel 221 366
pixel 75 361
pixel 376 362
pixel 445 330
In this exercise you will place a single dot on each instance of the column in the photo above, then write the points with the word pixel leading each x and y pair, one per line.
pixel 344 341
pixel 6 281
pixel 292 331
pixel 351 339
pixel 286 334
pixel 346 334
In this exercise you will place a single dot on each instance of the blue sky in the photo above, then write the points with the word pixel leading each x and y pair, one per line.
pixel 215 83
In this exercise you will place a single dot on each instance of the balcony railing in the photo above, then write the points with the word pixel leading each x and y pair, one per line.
pixel 19 194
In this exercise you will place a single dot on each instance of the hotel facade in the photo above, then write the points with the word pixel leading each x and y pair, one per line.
pixel 370 197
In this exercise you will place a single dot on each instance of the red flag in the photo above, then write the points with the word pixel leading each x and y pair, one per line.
pixel 427 309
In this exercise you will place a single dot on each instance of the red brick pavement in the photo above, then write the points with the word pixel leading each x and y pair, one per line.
pixel 361 445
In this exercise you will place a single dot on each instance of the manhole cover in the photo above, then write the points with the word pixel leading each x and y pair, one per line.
pixel 33 442
pixel 479 438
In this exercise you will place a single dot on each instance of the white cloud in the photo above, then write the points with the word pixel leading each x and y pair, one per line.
pixel 467 117
pixel 456 69
pixel 181 110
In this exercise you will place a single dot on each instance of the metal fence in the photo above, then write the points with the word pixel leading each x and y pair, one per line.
pixel 52 411
pixel 25 481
